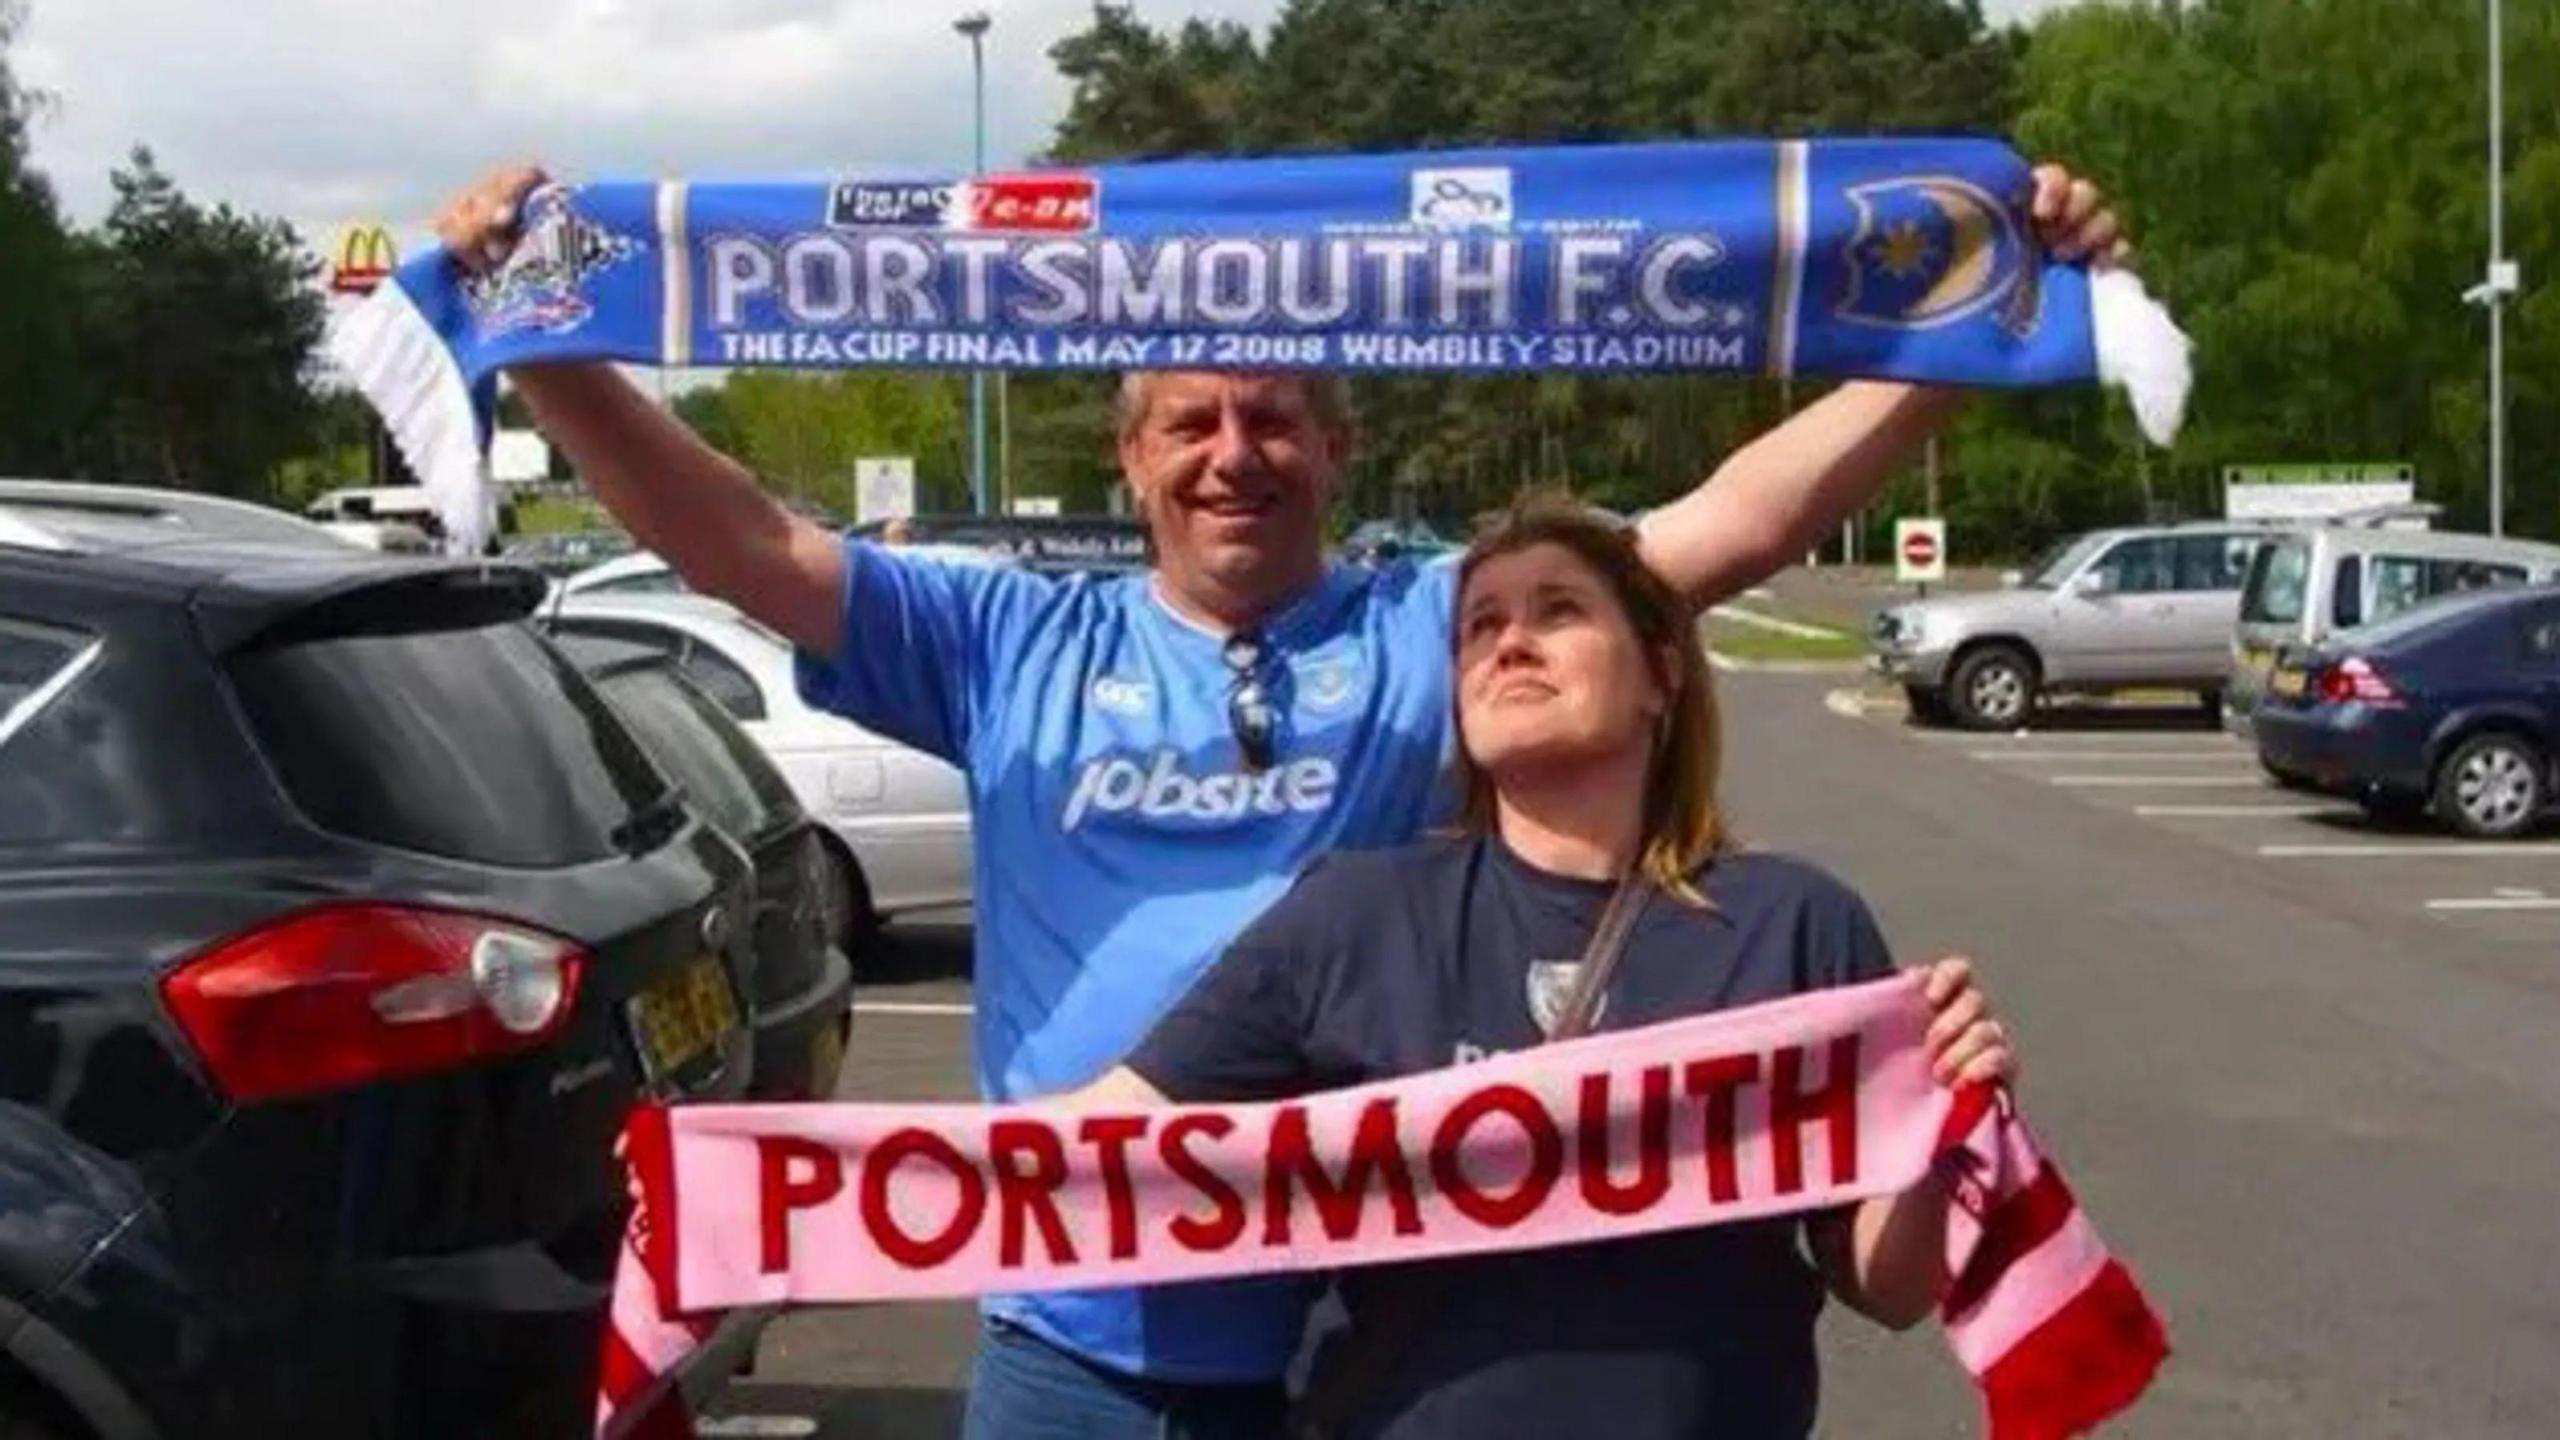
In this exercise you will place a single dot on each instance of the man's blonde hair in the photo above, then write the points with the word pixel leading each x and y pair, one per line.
pixel 1684 827
pixel 1328 399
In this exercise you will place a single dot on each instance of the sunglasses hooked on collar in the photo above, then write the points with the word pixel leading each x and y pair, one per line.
pixel 1251 715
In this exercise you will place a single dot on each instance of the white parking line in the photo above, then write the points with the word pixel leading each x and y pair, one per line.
pixel 2107 757
pixel 2235 812
pixel 2497 902
pixel 2448 848
pixel 911 1007
pixel 782 1427
pixel 2200 739
pixel 2164 782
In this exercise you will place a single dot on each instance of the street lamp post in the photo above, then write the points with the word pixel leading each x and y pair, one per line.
pixel 2502 279
pixel 975 25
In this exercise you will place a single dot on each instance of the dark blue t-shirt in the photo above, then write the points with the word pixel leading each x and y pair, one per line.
pixel 1384 964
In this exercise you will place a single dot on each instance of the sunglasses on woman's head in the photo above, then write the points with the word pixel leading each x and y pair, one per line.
pixel 1250 715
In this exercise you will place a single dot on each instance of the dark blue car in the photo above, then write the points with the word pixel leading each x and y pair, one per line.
pixel 2452 708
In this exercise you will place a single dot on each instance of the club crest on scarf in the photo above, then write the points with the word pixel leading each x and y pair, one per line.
pixel 1931 250
pixel 1550 984
pixel 538 288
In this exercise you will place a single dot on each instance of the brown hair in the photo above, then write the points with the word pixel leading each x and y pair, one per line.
pixel 1684 827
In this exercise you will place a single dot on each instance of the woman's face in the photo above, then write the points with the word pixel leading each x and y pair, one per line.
pixel 1549 669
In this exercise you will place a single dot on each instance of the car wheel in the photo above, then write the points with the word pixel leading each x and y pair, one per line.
pixel 2492 786
pixel 850 919
pixel 1992 689
pixel 1926 707
pixel 2210 702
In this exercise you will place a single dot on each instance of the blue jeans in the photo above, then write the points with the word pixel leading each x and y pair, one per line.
pixel 1024 1388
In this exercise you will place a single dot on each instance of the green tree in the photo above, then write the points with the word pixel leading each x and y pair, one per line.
pixel 199 328
pixel 2312 222
pixel 39 379
pixel 802 433
pixel 1376 74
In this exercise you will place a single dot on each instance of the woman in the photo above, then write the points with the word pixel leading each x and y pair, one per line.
pixel 1590 746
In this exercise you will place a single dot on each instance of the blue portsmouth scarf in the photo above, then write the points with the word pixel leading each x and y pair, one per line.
pixel 1893 258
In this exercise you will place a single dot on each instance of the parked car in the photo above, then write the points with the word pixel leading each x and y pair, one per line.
pixel 2450 708
pixel 1374 542
pixel 1059 544
pixel 391 537
pixel 2309 585
pixel 898 818
pixel 564 553
pixel 126 515
pixel 802 991
pixel 645 572
pixel 2146 608
pixel 340 924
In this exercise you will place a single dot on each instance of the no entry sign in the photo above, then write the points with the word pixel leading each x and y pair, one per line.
pixel 1919 550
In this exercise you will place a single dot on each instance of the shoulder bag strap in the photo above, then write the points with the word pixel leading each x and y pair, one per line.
pixel 1335 1386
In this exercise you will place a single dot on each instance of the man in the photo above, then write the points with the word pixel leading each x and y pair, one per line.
pixel 1152 758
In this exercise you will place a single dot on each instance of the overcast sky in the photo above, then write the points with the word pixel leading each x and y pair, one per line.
pixel 324 111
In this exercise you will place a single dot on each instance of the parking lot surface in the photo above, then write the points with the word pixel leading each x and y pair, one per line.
pixel 2298 1066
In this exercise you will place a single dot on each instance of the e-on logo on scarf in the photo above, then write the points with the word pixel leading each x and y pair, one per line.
pixel 1931 250
pixel 539 287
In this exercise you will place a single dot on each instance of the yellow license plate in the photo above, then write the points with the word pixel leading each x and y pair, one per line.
pixel 2256 658
pixel 2287 683
pixel 681 1016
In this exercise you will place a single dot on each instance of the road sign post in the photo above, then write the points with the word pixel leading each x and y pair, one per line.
pixel 1920 550
pixel 884 488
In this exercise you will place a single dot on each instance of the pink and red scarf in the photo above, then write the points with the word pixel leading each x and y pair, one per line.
pixel 1788 1107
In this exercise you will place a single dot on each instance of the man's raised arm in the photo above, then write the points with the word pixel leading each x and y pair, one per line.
pixel 677 496
pixel 1776 497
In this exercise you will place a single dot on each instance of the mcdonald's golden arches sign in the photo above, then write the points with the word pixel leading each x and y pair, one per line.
pixel 362 259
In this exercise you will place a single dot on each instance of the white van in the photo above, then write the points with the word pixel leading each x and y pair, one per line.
pixel 2307 585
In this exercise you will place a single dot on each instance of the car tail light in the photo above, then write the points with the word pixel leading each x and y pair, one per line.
pixel 350 994
pixel 2355 681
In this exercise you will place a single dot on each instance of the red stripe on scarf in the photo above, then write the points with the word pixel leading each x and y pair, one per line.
pixel 625 1376
pixel 650 1152
pixel 2015 1226
pixel 2092 1359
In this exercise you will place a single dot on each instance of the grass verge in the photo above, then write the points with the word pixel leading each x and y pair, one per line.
pixel 1752 642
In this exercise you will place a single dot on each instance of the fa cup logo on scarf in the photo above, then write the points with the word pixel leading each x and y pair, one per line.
pixel 538 288
pixel 1931 250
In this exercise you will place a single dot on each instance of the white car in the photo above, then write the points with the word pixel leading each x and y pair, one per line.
pixel 645 572
pixel 900 817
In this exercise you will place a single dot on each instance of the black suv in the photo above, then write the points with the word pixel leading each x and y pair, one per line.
pixel 340 922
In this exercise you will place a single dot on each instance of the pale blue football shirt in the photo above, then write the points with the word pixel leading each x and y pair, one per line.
pixel 1120 840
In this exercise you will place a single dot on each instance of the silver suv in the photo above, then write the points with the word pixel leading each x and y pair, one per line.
pixel 2143 608
pixel 2331 577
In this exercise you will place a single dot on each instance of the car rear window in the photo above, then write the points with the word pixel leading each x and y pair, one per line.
pixel 480 744
pixel 700 748
pixel 2346 592
pixel 2277 580
pixel 2400 581
pixel 32 657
